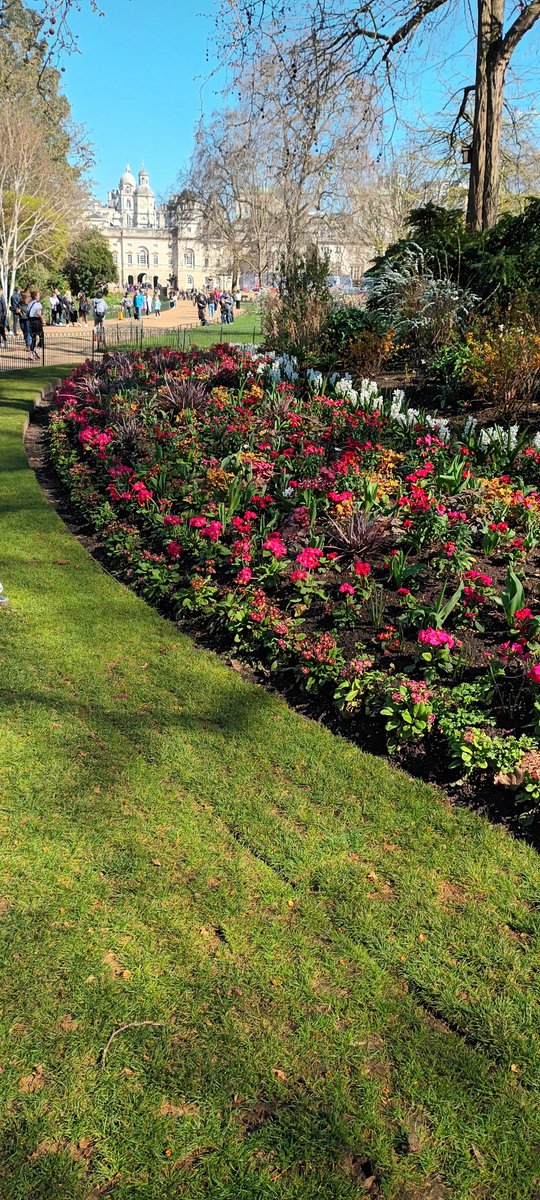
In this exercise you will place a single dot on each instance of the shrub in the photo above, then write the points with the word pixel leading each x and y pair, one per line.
pixel 365 355
pixel 503 366
pixel 90 266
pixel 425 311
pixel 293 320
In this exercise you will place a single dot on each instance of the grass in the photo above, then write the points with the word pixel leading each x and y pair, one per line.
pixel 341 965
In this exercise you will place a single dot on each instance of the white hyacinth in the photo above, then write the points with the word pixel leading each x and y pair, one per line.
pixel 496 435
pixel 536 441
pixel 470 427
pixel 440 426
pixel 344 388
pixel 314 378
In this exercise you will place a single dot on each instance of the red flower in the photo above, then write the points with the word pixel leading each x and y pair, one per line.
pixel 174 549
pixel 361 568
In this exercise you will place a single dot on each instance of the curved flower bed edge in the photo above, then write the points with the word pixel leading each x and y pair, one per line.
pixel 371 555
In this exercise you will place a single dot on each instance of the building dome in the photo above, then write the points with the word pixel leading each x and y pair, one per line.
pixel 144 181
pixel 127 179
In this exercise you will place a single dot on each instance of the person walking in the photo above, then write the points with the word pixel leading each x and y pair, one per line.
pixel 14 309
pixel 237 299
pixel 83 308
pixel 24 319
pixel 201 307
pixel 55 305
pixel 99 308
pixel 138 305
pixel 3 318
pixel 35 316
pixel 126 305
pixel 156 304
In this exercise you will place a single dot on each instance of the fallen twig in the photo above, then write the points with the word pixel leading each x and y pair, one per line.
pixel 122 1029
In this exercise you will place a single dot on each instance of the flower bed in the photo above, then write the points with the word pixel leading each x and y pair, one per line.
pixel 366 552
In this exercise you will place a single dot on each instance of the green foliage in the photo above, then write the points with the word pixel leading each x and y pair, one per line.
pixel 89 265
pixel 344 324
pixel 27 78
pixel 501 265
pixel 424 308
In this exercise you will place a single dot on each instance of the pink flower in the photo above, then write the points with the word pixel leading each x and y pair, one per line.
pixel 347 589
pixel 197 522
pixel 244 575
pixel 309 558
pixel 297 576
pixel 436 638
pixel 174 549
pixel 275 546
pixel 361 568
pixel 534 673
pixel 524 614
pixel 141 493
pixel 171 520
pixel 212 531
pixel 404 591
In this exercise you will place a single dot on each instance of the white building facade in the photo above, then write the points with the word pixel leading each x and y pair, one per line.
pixel 152 243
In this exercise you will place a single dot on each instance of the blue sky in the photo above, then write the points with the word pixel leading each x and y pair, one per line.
pixel 136 84
pixel 142 76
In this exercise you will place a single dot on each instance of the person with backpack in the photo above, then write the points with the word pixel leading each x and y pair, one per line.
pixel 35 317
pixel 99 308
pixel 14 309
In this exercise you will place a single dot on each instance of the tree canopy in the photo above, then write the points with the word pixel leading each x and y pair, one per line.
pixel 89 264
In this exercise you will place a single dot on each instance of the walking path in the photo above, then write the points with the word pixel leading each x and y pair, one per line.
pixel 321 976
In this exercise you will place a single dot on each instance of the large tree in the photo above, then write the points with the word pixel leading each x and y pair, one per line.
pixel 39 199
pixel 378 35
pixel 89 264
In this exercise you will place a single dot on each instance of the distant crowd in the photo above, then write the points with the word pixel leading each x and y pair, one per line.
pixel 24 314
pixel 208 303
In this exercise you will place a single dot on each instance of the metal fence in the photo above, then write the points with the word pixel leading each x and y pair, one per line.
pixel 64 345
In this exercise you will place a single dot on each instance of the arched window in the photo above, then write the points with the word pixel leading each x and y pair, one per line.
pixel 128 203
pixel 189 258
pixel 156 260
pixel 130 260
pixel 142 258
pixel 189 281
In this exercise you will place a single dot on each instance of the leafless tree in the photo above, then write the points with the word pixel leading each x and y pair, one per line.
pixel 282 163
pixel 376 35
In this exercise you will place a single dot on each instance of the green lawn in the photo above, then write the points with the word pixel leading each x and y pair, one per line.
pixel 341 965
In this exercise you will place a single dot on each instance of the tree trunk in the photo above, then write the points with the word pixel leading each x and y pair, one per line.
pixel 488 101
pixel 496 78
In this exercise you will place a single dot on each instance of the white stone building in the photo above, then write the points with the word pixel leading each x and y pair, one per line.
pixel 151 245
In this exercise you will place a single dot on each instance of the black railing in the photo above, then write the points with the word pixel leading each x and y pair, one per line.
pixel 62 345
